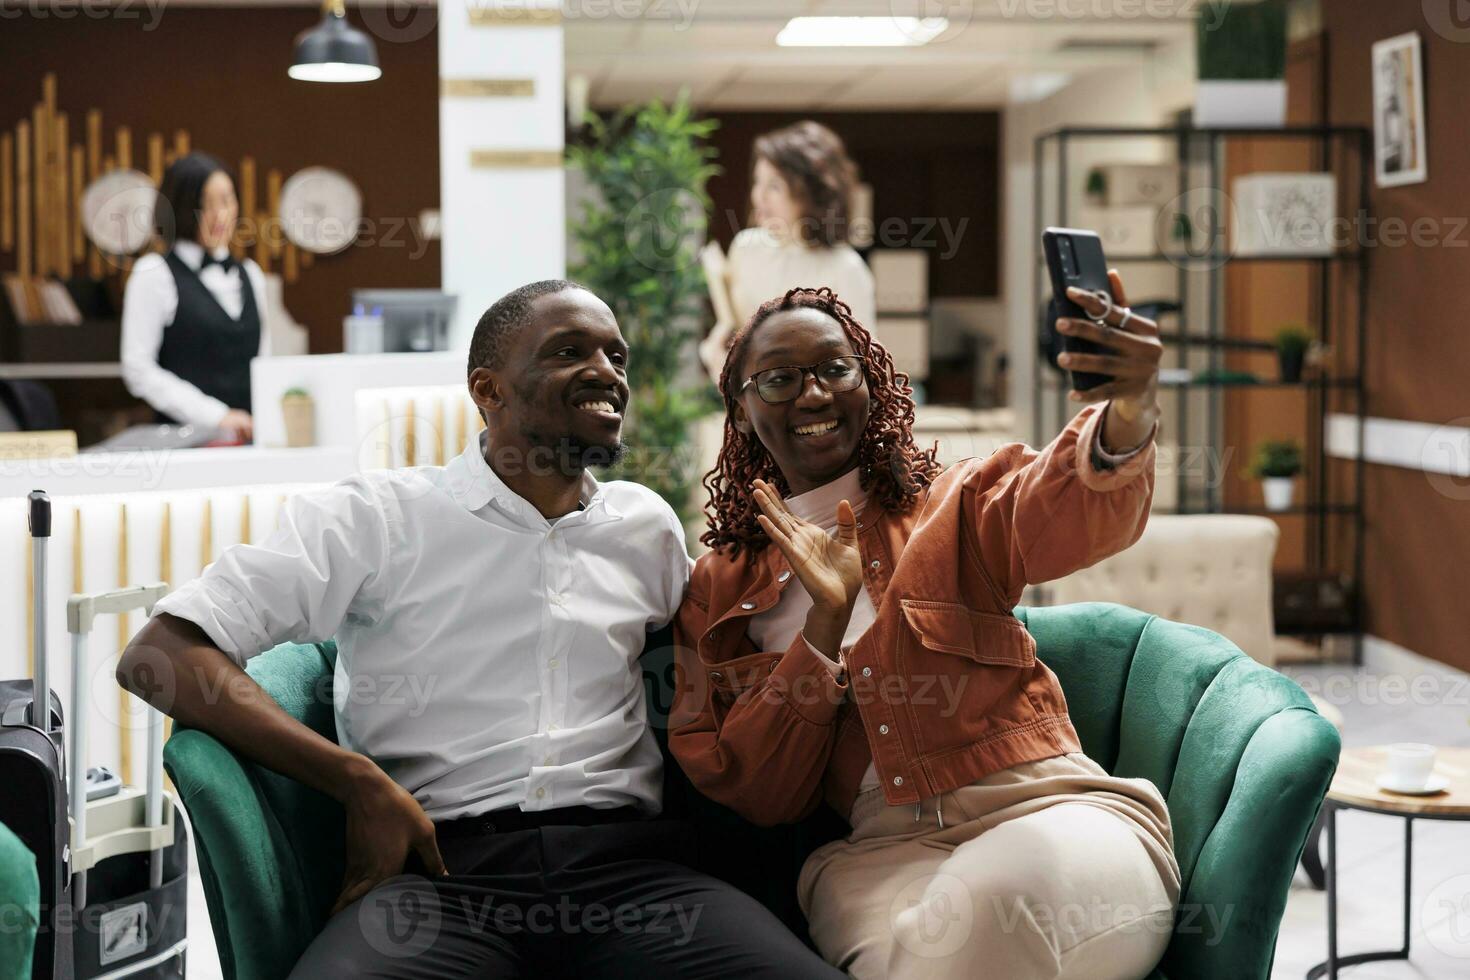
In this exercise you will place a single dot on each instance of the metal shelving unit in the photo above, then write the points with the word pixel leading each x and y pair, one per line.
pixel 1200 337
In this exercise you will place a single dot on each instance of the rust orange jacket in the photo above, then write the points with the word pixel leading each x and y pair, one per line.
pixel 944 688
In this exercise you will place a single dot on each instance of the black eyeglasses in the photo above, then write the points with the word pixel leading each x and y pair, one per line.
pixel 783 384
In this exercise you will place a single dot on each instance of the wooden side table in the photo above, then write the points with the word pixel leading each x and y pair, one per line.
pixel 1355 788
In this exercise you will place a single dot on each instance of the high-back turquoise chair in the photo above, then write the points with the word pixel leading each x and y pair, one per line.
pixel 1236 748
pixel 20 904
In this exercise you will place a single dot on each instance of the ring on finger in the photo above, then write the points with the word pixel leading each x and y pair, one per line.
pixel 1127 315
pixel 1106 299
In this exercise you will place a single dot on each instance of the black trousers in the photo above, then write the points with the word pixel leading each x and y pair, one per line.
pixel 606 900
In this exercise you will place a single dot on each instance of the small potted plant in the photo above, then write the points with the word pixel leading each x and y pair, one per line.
pixel 299 411
pixel 1241 61
pixel 1097 186
pixel 1276 463
pixel 1292 342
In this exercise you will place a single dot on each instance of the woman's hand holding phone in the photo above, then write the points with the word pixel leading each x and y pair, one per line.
pixel 1133 364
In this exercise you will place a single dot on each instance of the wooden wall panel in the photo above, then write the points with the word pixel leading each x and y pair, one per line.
pixel 215 80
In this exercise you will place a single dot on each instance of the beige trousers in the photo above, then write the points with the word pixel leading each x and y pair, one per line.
pixel 1050 869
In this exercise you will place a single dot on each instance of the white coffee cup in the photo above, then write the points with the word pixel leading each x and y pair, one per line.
pixel 1410 764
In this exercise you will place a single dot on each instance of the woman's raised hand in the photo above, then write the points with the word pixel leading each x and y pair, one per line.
pixel 829 567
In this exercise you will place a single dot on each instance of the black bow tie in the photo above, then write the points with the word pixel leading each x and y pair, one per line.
pixel 227 263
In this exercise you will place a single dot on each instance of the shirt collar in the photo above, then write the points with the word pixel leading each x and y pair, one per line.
pixel 193 253
pixel 819 505
pixel 474 484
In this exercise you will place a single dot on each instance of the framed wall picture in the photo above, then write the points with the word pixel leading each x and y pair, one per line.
pixel 1399 146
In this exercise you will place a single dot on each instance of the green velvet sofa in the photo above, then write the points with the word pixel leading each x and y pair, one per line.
pixel 1236 748
pixel 20 906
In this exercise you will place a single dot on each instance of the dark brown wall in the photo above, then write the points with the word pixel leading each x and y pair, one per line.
pixel 221 74
pixel 1418 536
pixel 923 166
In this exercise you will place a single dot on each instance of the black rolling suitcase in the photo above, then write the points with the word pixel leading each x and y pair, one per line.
pixel 33 794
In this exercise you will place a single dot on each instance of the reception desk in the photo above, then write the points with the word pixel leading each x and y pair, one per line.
pixel 333 380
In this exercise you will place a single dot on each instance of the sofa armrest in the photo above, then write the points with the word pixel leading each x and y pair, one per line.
pixel 251 877
pixel 1238 890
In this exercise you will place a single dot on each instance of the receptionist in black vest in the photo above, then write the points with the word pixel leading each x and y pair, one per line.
pixel 192 316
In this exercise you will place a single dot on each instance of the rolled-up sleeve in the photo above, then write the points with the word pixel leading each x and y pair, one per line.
pixel 326 560
pixel 1040 515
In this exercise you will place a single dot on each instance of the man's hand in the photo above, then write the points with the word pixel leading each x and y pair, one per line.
pixel 384 823
pixel 1134 367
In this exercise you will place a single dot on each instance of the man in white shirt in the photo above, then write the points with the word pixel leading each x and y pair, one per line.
pixel 509 594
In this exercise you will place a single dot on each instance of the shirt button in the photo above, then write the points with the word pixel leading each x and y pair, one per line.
pixel 783 576
pixel 553 727
pixel 546 761
pixel 867 671
pixel 541 793
pixel 553 663
pixel 875 563
pixel 882 729
pixel 897 781
pixel 747 605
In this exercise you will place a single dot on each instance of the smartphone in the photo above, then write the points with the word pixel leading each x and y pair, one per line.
pixel 1075 258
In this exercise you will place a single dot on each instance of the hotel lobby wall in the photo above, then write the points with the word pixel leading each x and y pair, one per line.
pixel 220 74
pixel 1418 524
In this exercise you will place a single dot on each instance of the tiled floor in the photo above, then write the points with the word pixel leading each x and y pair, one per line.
pixel 1370 852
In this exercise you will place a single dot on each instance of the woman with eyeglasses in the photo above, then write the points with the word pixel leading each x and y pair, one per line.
pixel 849 639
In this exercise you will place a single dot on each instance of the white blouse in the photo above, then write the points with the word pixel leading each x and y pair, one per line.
pixel 763 267
pixel 149 304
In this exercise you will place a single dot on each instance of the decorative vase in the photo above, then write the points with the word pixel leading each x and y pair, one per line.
pixel 1291 364
pixel 1278 491
pixel 300 415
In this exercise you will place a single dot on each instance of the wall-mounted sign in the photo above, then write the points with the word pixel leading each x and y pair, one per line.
pixel 514 159
pixel 487 88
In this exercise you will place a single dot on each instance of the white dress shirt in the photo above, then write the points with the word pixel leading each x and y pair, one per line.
pixel 762 267
pixel 487 658
pixel 149 304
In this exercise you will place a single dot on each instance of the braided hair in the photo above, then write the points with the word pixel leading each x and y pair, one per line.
pixel 892 470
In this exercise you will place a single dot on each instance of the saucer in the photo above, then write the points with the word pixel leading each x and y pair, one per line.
pixel 1435 784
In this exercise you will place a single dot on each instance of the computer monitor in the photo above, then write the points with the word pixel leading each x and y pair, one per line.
pixel 412 320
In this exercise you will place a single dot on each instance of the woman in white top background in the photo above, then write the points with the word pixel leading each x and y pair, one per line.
pixel 192 316
pixel 801 187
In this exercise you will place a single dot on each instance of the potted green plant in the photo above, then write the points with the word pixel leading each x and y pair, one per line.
pixel 1276 463
pixel 637 239
pixel 1241 57
pixel 1292 342
pixel 1097 186
pixel 299 411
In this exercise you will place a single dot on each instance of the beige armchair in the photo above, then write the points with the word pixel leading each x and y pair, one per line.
pixel 1210 570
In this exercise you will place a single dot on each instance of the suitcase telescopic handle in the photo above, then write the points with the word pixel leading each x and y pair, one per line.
pixel 40 516
pixel 39 521
pixel 81 612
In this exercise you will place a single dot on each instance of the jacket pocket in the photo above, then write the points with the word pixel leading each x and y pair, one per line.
pixel 998 639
